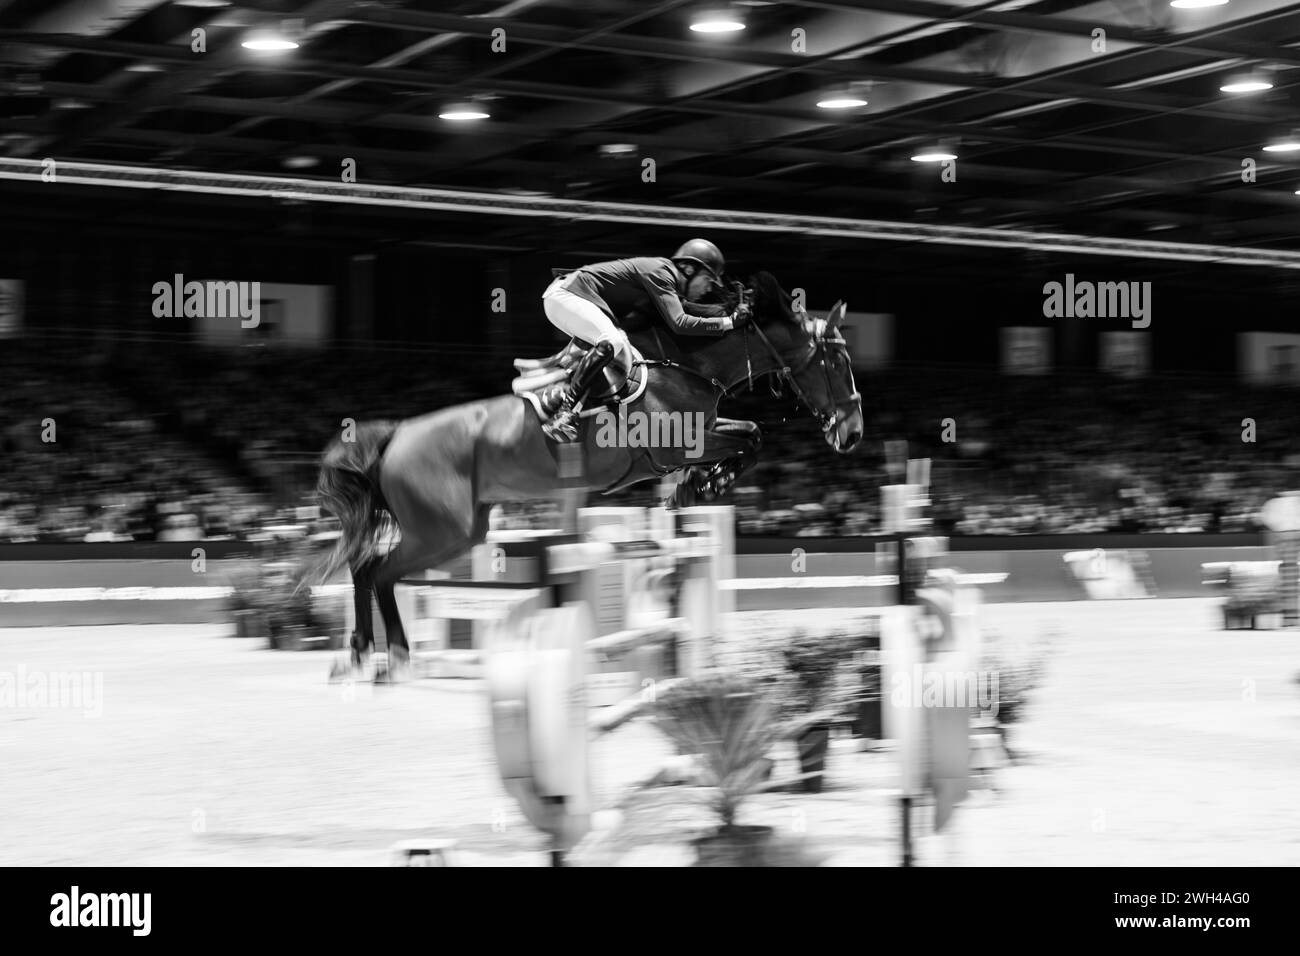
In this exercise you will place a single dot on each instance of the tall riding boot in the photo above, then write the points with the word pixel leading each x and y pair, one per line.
pixel 567 399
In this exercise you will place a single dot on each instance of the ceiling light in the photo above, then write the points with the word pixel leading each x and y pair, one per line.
pixel 71 104
pixel 618 149
pixel 846 99
pixel 1284 144
pixel 144 66
pixel 202 4
pixel 461 112
pixel 1247 83
pixel 268 42
pixel 300 162
pixel 1196 4
pixel 846 96
pixel 936 155
pixel 841 102
pixel 717 21
pixel 1246 86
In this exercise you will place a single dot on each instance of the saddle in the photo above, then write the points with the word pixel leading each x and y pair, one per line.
pixel 622 385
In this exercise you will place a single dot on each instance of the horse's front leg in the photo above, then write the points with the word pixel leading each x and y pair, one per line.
pixel 729 449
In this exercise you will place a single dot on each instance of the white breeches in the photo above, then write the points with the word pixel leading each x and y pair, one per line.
pixel 574 315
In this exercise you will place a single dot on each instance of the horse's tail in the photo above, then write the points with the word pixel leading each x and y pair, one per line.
pixel 348 489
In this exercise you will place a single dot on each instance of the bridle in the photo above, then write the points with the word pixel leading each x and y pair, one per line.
pixel 820 348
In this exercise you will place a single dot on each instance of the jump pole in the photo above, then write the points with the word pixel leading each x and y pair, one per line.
pixel 932 743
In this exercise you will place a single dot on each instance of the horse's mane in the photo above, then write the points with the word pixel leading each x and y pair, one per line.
pixel 770 298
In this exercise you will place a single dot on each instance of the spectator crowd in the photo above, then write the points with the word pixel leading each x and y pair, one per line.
pixel 167 442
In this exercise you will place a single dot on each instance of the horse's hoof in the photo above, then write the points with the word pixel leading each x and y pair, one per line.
pixel 341 668
pixel 400 674
pixel 397 668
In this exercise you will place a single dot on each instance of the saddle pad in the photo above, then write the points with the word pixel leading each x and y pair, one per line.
pixel 529 384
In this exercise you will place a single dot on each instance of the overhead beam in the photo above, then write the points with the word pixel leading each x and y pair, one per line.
pixel 1190 42
pixel 129 177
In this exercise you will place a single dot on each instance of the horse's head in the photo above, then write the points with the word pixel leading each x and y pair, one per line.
pixel 812 356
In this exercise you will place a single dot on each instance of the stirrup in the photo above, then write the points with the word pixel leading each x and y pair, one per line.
pixel 562 427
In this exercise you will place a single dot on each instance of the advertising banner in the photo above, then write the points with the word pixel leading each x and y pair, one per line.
pixel 11 307
pixel 1269 358
pixel 1026 350
pixel 1127 354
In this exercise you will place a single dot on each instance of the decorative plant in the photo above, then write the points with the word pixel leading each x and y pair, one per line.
pixel 729 724
pixel 289 609
pixel 245 589
pixel 268 591
pixel 817 691
pixel 249 603
pixel 1255 594
pixel 1017 674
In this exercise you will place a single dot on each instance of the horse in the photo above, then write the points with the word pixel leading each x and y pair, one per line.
pixel 437 476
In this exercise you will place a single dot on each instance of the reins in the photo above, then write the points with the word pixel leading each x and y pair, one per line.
pixel 783 371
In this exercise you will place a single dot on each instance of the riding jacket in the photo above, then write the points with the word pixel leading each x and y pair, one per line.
pixel 647 286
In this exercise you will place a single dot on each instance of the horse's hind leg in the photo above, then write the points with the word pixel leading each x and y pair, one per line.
pixel 362 640
pixel 414 554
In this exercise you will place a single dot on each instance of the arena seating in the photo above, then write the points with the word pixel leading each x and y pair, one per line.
pixel 163 441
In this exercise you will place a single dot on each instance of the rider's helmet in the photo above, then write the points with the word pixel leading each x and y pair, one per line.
pixel 702 253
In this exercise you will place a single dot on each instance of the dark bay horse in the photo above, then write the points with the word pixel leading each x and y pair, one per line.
pixel 437 476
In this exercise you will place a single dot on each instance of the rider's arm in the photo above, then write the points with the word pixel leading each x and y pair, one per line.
pixel 664 296
pixel 705 310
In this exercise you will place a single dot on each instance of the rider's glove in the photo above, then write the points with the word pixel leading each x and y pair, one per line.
pixel 741 317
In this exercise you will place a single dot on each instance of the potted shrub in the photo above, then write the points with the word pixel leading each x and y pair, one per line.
pixel 816 694
pixel 869 718
pixel 1249 598
pixel 866 706
pixel 728 724
pixel 1017 677
pixel 248 603
pixel 290 611
pixel 293 618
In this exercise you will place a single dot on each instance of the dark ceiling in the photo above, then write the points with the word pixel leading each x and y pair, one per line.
pixel 1052 133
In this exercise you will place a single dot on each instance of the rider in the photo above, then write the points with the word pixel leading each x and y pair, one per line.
pixel 584 304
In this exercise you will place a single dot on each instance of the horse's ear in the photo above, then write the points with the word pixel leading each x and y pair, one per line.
pixel 836 315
